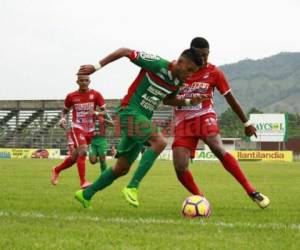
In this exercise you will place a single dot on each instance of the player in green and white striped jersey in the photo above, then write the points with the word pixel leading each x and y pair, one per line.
pixel 157 80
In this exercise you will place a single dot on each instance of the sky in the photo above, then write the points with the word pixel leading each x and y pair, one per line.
pixel 44 42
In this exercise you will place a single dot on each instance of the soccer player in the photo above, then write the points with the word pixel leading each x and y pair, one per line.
pixel 157 79
pixel 83 103
pixel 98 146
pixel 200 122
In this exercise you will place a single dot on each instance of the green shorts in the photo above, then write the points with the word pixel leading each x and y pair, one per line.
pixel 136 130
pixel 98 146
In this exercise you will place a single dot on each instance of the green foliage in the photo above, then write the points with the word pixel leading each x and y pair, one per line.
pixel 231 126
pixel 270 84
pixel 293 125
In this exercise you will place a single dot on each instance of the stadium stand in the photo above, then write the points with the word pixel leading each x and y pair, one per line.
pixel 34 123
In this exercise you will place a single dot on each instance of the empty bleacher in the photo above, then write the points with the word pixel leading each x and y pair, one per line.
pixel 34 124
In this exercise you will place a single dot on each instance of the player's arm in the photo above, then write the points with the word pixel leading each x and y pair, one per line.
pixel 173 100
pixel 225 90
pixel 67 105
pixel 119 53
pixel 236 107
pixel 63 119
pixel 107 118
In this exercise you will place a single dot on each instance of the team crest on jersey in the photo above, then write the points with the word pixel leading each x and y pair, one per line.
pixel 149 57
pixel 91 96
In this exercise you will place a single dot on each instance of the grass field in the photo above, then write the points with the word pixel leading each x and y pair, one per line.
pixel 36 215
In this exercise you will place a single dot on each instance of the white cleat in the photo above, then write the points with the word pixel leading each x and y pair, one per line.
pixel 261 200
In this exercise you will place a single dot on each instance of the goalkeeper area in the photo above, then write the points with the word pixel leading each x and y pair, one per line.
pixel 36 215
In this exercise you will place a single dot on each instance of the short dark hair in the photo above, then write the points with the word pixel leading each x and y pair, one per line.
pixel 199 43
pixel 194 55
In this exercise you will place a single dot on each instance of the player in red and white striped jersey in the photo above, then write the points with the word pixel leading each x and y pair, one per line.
pixel 83 103
pixel 200 122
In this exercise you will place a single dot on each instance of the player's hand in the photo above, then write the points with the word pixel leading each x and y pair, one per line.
pixel 86 69
pixel 63 123
pixel 195 100
pixel 250 130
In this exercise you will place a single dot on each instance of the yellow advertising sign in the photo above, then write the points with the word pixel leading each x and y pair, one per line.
pixel 263 155
pixel 28 153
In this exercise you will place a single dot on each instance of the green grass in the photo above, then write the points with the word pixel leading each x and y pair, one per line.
pixel 36 215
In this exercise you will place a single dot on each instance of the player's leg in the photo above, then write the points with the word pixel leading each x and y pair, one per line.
pixel 103 164
pixel 127 153
pixel 81 141
pixel 68 162
pixel 158 144
pixel 81 166
pixel 181 157
pixel 233 167
pixel 93 153
pixel 184 146
pixel 101 151
pixel 228 161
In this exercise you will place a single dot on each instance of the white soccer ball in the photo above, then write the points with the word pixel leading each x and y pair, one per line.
pixel 196 206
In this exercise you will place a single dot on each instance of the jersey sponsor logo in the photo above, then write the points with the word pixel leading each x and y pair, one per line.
pixel 84 106
pixel 156 91
pixel 202 86
pixel 150 102
pixel 149 57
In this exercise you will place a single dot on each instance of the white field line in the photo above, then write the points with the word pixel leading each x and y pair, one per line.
pixel 150 221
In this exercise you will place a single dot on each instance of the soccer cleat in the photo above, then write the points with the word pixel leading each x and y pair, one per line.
pixel 260 199
pixel 85 185
pixel 54 177
pixel 130 195
pixel 85 203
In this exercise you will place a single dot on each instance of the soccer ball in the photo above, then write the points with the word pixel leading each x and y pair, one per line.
pixel 195 206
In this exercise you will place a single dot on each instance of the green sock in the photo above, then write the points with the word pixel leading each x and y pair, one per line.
pixel 146 163
pixel 103 165
pixel 104 180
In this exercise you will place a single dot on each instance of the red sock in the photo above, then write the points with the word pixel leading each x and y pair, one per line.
pixel 187 180
pixel 81 168
pixel 232 166
pixel 68 162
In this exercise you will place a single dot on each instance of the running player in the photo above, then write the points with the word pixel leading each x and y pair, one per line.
pixel 157 79
pixel 200 122
pixel 98 146
pixel 83 103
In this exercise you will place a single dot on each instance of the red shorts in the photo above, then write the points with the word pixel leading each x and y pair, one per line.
pixel 81 137
pixel 187 133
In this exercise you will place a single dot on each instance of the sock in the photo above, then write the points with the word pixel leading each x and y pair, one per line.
pixel 232 166
pixel 187 180
pixel 148 158
pixel 81 168
pixel 103 165
pixel 104 180
pixel 68 162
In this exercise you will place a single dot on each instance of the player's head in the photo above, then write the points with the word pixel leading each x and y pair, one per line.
pixel 187 64
pixel 202 45
pixel 83 81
